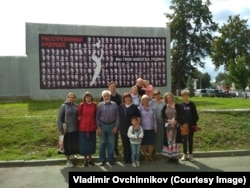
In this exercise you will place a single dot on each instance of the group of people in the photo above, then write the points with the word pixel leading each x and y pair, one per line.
pixel 147 125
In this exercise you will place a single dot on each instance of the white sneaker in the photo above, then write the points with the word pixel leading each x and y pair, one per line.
pixel 137 163
pixel 184 157
pixel 69 164
pixel 73 157
pixel 190 157
pixel 133 164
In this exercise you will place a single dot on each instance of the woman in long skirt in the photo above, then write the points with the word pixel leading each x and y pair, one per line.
pixel 157 105
pixel 87 128
pixel 174 116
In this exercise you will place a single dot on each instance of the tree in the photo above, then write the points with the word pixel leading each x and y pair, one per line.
pixel 231 49
pixel 224 80
pixel 191 29
pixel 190 85
pixel 239 72
pixel 205 80
pixel 221 77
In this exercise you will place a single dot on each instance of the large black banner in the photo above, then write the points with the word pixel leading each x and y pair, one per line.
pixel 70 61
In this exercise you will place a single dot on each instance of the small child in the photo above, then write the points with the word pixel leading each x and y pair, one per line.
pixel 135 134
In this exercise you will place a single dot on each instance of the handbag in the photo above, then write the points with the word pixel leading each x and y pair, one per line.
pixel 184 129
pixel 196 128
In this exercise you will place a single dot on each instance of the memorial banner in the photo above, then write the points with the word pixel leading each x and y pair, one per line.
pixel 72 61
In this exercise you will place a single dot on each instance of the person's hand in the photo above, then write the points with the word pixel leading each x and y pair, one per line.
pixel 172 122
pixel 114 130
pixel 155 130
pixel 99 131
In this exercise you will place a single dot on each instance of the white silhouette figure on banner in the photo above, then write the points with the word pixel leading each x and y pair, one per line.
pixel 97 56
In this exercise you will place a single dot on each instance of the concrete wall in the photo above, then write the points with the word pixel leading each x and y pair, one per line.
pixel 14 77
pixel 20 76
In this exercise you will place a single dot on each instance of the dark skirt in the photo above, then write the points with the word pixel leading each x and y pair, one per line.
pixel 148 138
pixel 87 143
pixel 71 143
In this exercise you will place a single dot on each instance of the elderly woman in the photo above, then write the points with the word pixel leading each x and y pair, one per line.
pixel 149 126
pixel 174 116
pixel 87 128
pixel 157 104
pixel 68 127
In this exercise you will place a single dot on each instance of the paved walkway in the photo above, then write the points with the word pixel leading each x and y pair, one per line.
pixel 59 161
pixel 57 176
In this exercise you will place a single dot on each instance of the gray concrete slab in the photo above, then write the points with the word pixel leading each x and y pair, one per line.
pixel 58 161
pixel 56 176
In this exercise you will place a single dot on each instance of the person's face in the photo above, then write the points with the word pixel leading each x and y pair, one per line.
pixel 145 83
pixel 140 83
pixel 134 90
pixel 112 87
pixel 185 97
pixel 88 98
pixel 156 94
pixel 71 98
pixel 169 99
pixel 145 102
pixel 106 97
pixel 134 122
pixel 127 100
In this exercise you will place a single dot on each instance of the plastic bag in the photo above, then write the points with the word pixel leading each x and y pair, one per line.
pixel 60 144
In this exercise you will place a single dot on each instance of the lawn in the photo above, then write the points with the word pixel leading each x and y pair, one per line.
pixel 29 129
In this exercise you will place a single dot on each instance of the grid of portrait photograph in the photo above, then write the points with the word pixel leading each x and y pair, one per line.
pixel 94 61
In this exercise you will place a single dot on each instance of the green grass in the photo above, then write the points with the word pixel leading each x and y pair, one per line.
pixel 29 129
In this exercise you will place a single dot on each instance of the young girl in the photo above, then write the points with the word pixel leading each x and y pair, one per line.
pixel 135 134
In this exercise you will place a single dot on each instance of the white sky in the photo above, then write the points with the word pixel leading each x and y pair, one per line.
pixel 141 13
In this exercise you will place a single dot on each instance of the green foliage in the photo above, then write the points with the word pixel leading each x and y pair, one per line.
pixel 190 85
pixel 231 50
pixel 239 72
pixel 233 40
pixel 227 131
pixel 191 29
pixel 29 128
pixel 205 80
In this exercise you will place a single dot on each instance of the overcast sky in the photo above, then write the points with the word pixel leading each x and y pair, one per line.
pixel 141 13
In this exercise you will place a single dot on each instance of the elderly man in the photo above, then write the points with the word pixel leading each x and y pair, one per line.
pixel 107 119
pixel 139 85
pixel 117 98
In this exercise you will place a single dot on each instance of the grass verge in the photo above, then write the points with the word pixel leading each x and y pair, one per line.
pixel 29 129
